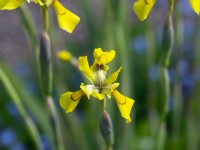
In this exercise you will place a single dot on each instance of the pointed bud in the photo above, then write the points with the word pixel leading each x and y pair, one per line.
pixel 106 129
pixel 45 63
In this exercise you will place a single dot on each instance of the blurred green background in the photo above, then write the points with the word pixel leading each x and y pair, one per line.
pixel 109 25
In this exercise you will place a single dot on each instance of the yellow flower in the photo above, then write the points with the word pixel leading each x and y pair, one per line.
pixel 142 8
pixel 195 5
pixel 66 19
pixel 100 85
pixel 10 4
pixel 64 55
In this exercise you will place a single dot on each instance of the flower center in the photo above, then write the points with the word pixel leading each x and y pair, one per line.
pixel 99 78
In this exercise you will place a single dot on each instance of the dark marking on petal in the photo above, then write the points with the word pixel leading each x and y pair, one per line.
pixel 146 2
pixel 73 98
pixel 123 102
pixel 53 2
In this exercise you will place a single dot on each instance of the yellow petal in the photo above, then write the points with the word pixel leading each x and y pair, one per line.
pixel 142 8
pixel 40 2
pixel 113 77
pixel 87 89
pixel 124 104
pixel 195 5
pixel 91 90
pixel 10 4
pixel 104 57
pixel 84 67
pixel 66 19
pixel 97 52
pixel 99 96
pixel 44 2
pixel 64 55
pixel 113 87
pixel 69 100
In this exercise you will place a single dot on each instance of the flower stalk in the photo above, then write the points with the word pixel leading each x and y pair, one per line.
pixel 164 83
pixel 45 18
pixel 171 7
pixel 46 72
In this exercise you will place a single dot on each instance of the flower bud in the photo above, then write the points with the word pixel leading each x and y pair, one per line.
pixel 45 63
pixel 106 129
pixel 64 55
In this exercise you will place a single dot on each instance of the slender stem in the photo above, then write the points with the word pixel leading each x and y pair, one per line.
pixel 33 131
pixel 171 7
pixel 45 18
pixel 55 122
pixel 31 31
pixel 166 49
pixel 47 70
pixel 103 104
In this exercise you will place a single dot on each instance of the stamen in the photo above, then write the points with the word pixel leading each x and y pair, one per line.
pixel 99 78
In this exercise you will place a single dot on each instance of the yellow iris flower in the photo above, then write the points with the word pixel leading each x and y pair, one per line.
pixel 66 19
pixel 100 85
pixel 142 8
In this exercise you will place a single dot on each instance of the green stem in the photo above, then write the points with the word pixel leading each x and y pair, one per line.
pixel 45 18
pixel 18 102
pixel 164 75
pixel 171 7
pixel 47 71
pixel 103 104
pixel 55 122
pixel 166 49
pixel 118 40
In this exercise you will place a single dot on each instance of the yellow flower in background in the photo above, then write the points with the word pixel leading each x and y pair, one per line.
pixel 10 4
pixel 66 19
pixel 64 55
pixel 195 4
pixel 142 8
pixel 100 85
